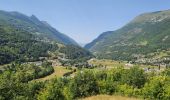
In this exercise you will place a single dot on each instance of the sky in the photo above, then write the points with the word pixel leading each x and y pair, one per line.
pixel 84 20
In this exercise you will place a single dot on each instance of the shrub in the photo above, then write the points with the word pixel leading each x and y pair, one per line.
pixel 125 90
pixel 154 88
pixel 134 77
pixel 52 91
pixel 84 84
pixel 106 87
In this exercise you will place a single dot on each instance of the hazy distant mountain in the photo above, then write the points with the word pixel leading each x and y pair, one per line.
pixel 82 44
pixel 33 25
pixel 146 38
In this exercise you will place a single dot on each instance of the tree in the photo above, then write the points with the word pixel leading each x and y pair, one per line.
pixel 84 84
pixel 52 91
pixel 134 77
pixel 154 88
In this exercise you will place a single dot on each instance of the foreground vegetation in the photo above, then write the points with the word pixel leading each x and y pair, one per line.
pixel 16 84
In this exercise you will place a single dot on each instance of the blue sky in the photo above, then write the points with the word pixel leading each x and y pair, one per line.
pixel 84 20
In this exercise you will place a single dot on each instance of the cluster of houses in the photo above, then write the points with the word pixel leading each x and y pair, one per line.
pixel 163 62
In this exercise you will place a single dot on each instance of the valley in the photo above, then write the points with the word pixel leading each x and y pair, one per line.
pixel 37 62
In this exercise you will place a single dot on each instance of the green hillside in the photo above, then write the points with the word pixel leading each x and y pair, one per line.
pixel 142 40
pixel 33 25
pixel 19 41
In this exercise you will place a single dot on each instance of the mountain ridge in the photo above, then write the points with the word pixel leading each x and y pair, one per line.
pixel 27 39
pixel 139 39
pixel 33 25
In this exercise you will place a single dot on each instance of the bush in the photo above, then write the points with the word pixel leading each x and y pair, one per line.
pixel 134 77
pixel 107 87
pixel 84 84
pixel 154 88
pixel 166 95
pixel 52 91
pixel 125 90
pixel 11 88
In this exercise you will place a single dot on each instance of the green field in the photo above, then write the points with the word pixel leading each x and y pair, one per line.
pixel 59 71
pixel 110 64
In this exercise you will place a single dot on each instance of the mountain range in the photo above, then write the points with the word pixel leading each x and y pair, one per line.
pixel 145 39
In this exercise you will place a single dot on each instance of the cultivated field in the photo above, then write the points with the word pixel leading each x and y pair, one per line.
pixel 59 71
pixel 109 64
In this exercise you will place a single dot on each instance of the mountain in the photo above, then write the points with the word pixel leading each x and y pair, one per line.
pixel 82 44
pixel 22 46
pixel 25 39
pixel 33 25
pixel 146 39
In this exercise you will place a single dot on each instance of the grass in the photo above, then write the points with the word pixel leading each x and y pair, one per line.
pixel 144 43
pixel 2 67
pixel 161 54
pixel 107 63
pixel 108 97
pixel 59 71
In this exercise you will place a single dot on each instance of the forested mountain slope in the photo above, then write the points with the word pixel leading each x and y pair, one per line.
pixel 26 39
pixel 145 39
pixel 16 44
pixel 33 25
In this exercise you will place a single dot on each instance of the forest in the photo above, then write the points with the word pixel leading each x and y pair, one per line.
pixel 19 45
